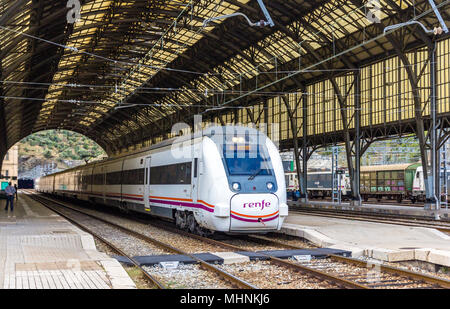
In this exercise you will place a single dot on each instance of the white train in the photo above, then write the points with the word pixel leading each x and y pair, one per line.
pixel 227 179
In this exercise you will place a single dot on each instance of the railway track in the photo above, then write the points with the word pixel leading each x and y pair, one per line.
pixel 343 271
pixel 336 262
pixel 332 280
pixel 381 202
pixel 147 276
pixel 394 203
pixel 338 271
pixel 377 218
pixel 50 203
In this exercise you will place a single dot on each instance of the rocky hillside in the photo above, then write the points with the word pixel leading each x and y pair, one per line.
pixel 61 149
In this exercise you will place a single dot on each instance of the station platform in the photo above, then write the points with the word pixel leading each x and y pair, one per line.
pixel 41 250
pixel 381 241
pixel 406 211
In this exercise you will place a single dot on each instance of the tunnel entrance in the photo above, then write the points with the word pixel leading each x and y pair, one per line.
pixel 50 151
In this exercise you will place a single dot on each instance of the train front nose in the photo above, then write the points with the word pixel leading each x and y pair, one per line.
pixel 254 212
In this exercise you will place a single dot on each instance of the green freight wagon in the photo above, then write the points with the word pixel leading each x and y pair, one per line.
pixel 397 181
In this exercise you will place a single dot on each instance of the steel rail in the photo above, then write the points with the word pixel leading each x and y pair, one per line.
pixel 427 222
pixel 334 278
pixel 284 263
pixel 348 260
pixel 147 276
pixel 393 270
pixel 223 274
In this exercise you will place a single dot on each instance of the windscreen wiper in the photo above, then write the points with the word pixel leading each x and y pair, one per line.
pixel 255 174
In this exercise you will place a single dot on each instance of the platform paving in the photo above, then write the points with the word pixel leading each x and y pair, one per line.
pixel 41 250
pixel 388 242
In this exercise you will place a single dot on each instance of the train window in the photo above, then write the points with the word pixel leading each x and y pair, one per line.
pixel 88 179
pixel 175 174
pixel 97 179
pixel 133 177
pixel 243 160
pixel 114 178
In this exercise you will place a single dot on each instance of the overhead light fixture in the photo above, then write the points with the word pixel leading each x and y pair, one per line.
pixel 435 31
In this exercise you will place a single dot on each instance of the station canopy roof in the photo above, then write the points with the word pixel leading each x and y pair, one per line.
pixel 127 68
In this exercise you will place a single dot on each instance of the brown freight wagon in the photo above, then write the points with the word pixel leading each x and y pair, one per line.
pixel 390 182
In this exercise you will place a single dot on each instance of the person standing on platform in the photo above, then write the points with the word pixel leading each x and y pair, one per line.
pixel 15 188
pixel 9 190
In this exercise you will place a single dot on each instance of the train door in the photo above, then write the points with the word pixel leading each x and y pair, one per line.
pixel 103 184
pixel 418 182
pixel 195 181
pixel 147 184
pixel 196 164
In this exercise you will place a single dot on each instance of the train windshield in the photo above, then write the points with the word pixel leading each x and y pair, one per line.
pixel 247 159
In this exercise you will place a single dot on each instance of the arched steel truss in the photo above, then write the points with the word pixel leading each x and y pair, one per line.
pixel 229 50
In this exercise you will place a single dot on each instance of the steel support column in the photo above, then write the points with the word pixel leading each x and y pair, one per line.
pixel 3 136
pixel 266 115
pixel 303 182
pixel 294 129
pixel 433 177
pixel 356 183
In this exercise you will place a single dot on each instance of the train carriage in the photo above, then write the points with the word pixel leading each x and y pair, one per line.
pixel 320 183
pixel 397 181
pixel 226 179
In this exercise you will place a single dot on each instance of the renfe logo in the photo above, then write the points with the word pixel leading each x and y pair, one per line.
pixel 257 205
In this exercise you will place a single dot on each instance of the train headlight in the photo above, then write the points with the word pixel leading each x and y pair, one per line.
pixel 269 185
pixel 236 186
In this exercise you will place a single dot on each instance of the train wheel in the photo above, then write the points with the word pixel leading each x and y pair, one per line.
pixel 199 230
pixel 181 219
pixel 399 199
pixel 123 207
pixel 202 231
pixel 191 224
